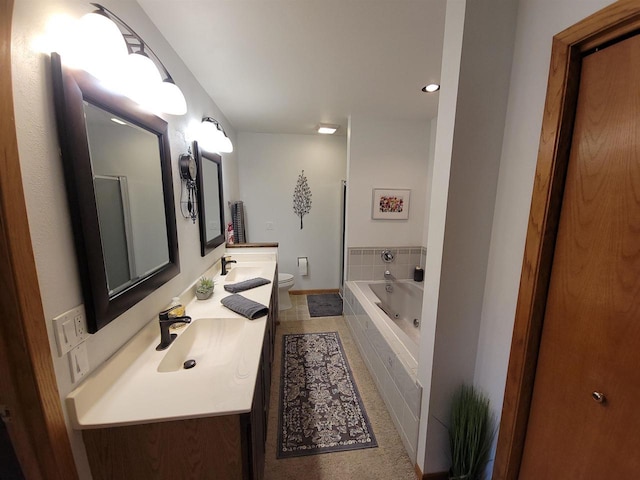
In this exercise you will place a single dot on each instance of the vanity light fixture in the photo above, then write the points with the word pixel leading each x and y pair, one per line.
pixel 155 87
pixel 102 44
pixel 213 138
pixel 432 87
pixel 327 129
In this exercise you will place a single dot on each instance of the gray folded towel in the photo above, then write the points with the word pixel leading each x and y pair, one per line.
pixel 244 306
pixel 246 285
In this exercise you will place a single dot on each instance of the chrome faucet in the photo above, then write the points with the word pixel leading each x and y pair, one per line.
pixel 166 320
pixel 225 262
pixel 388 275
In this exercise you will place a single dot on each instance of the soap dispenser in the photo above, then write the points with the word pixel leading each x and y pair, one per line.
pixel 418 274
pixel 177 312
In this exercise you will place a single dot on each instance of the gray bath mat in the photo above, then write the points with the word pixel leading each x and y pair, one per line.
pixel 324 305
pixel 320 407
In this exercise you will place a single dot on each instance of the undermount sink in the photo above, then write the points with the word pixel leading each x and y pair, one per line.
pixel 208 341
pixel 240 274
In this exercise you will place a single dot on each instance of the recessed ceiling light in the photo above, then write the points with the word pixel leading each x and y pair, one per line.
pixel 327 129
pixel 432 87
pixel 118 121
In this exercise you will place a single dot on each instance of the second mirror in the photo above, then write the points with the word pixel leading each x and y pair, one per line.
pixel 210 203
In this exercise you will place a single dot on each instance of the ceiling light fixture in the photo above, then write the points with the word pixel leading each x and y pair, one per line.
pixel 432 87
pixel 118 121
pixel 213 138
pixel 327 129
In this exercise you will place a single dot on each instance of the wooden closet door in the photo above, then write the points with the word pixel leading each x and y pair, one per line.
pixel 591 336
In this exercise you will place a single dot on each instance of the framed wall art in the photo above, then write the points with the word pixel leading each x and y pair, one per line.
pixel 390 204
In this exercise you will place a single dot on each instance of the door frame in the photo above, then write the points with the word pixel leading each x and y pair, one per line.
pixel 597 30
pixel 28 387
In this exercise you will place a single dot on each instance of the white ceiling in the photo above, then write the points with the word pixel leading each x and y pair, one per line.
pixel 283 66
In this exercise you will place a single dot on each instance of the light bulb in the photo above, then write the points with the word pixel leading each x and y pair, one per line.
pixel 208 136
pixel 225 145
pixel 222 142
pixel 99 46
pixel 59 35
pixel 432 87
pixel 327 129
pixel 213 139
pixel 170 99
pixel 140 80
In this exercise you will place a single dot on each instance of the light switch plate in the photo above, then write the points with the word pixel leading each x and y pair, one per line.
pixel 70 329
pixel 79 362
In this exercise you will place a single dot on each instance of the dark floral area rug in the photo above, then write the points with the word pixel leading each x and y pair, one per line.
pixel 320 407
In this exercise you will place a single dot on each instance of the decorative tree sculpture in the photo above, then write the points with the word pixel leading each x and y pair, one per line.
pixel 301 197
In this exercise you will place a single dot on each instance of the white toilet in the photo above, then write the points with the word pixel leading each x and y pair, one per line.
pixel 285 282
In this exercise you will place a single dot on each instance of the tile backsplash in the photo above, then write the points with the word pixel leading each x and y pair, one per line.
pixel 365 263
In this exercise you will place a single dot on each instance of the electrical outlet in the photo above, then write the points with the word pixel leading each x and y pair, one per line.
pixel 70 329
pixel 80 326
pixel 269 225
pixel 79 362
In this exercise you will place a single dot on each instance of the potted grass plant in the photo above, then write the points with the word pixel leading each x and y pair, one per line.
pixel 470 434
pixel 204 288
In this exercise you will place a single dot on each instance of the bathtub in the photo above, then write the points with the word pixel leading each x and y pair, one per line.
pixel 389 346
pixel 402 303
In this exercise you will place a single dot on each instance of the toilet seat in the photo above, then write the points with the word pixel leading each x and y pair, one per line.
pixel 285 280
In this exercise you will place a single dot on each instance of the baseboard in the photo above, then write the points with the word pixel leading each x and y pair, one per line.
pixel 251 245
pixel 436 476
pixel 431 476
pixel 313 292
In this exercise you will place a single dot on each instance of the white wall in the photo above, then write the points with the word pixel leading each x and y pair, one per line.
pixel 48 214
pixel 537 22
pixel 268 168
pixel 464 187
pixel 386 153
pixel 445 124
pixel 433 128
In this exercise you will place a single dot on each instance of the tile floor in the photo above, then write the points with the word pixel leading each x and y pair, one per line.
pixel 299 310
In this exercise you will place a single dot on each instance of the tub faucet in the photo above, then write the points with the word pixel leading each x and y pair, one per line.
pixel 225 262
pixel 166 320
pixel 388 275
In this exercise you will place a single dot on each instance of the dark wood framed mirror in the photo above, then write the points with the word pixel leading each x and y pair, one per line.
pixel 117 168
pixel 210 199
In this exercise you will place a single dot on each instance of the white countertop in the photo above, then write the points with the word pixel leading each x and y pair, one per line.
pixel 128 389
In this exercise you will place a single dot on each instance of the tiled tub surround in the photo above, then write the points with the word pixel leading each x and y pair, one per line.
pixel 390 356
pixel 365 263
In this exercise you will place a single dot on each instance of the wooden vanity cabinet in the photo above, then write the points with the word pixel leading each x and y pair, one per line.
pixel 254 424
pixel 229 447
